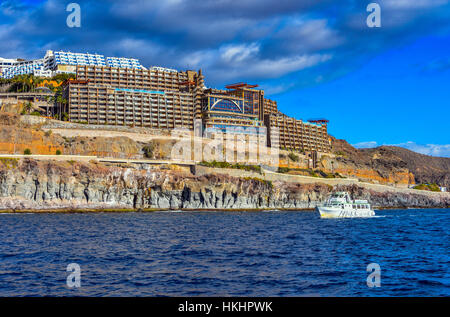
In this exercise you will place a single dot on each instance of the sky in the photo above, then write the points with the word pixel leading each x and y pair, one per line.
pixel 316 58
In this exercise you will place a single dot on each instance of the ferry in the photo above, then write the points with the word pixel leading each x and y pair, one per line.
pixel 340 205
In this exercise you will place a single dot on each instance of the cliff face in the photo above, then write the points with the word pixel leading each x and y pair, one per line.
pixel 16 136
pixel 29 184
pixel 426 169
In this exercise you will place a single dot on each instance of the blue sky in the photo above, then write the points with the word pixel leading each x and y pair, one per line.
pixel 386 85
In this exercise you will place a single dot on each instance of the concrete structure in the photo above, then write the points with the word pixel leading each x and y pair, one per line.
pixel 233 112
pixel 120 91
pixel 6 63
pixel 133 97
pixel 58 62
pixel 297 134
pixel 164 98
pixel 22 67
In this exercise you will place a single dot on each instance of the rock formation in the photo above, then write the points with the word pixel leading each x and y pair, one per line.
pixel 29 184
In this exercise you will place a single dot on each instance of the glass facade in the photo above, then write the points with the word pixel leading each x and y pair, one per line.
pixel 225 105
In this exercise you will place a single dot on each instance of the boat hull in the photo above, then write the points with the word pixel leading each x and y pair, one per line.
pixel 329 212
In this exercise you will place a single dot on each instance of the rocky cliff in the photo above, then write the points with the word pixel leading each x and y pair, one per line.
pixel 426 169
pixel 384 168
pixel 16 136
pixel 29 184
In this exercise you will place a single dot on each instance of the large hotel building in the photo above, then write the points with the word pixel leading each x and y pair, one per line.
pixel 120 91
pixel 164 98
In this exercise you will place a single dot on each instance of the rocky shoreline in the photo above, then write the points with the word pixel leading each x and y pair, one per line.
pixel 36 186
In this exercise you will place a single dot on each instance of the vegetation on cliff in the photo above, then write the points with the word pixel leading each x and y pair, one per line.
pixel 250 168
pixel 308 172
pixel 430 187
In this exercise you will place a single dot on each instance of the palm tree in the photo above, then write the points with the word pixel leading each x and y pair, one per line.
pixel 59 101
pixel 27 107
pixel 34 81
pixel 51 100
pixel 19 82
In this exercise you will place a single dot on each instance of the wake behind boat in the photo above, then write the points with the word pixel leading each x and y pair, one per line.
pixel 340 205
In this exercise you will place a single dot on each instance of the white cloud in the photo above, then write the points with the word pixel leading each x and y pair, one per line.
pixel 234 62
pixel 364 145
pixel 428 149
pixel 412 4
pixel 273 68
pixel 238 53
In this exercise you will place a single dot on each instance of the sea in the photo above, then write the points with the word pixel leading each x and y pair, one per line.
pixel 215 253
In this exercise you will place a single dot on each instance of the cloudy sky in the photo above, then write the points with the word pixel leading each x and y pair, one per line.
pixel 317 58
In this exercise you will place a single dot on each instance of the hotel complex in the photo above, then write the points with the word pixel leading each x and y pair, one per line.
pixel 120 91
pixel 61 62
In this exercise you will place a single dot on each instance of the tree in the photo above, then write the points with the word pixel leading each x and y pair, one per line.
pixel 27 152
pixel 61 102
pixel 27 107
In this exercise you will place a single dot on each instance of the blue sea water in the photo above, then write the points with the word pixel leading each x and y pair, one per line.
pixel 272 253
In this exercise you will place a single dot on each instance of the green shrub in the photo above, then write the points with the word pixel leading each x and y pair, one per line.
pixel 293 157
pixel 283 169
pixel 434 187
pixel 256 179
pixel 429 187
pixel 58 152
pixel 313 174
pixel 249 168
pixel 9 162
pixel 27 152
pixel 148 150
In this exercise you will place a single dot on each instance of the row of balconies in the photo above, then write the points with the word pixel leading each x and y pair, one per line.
pixel 131 78
pixel 130 115
pixel 131 72
pixel 90 117
pixel 184 102
pixel 147 112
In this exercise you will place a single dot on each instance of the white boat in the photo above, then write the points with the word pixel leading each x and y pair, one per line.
pixel 340 205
